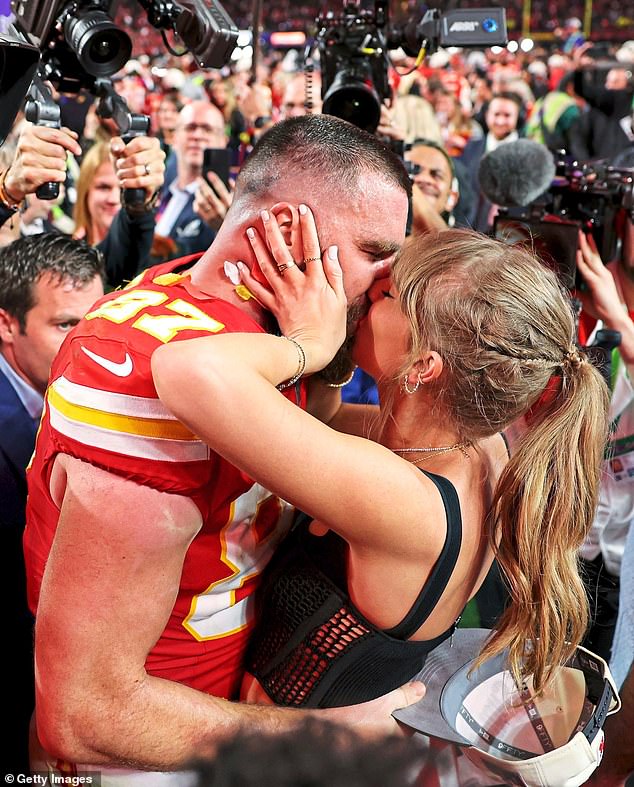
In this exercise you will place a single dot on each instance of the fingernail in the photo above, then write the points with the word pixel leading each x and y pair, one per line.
pixel 303 210
pixel 265 215
pixel 251 233
pixel 232 272
pixel 332 252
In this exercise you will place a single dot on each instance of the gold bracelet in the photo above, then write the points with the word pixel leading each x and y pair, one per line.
pixel 300 368
pixel 7 200
pixel 345 382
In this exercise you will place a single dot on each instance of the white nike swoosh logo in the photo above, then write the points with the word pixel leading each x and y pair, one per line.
pixel 120 369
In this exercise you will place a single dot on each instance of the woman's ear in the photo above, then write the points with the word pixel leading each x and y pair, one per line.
pixel 429 367
pixel 287 217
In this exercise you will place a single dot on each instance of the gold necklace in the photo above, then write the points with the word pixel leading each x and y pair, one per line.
pixel 434 451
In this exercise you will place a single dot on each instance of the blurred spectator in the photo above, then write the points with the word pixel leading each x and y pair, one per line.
pixel 435 187
pixel 481 95
pixel 457 129
pixel 296 100
pixel 132 89
pixel 167 119
pixel 504 116
pixel 553 116
pixel 413 116
pixel 315 754
pixel 200 125
pixel 47 284
pixel 221 95
pixel 573 37
pixel 607 128
pixel 123 234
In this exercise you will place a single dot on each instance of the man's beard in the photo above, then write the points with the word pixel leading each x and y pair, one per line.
pixel 342 365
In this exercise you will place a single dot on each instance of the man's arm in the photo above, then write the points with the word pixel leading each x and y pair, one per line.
pixel 108 589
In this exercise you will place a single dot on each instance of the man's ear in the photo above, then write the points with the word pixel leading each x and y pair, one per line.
pixel 8 327
pixel 452 199
pixel 287 217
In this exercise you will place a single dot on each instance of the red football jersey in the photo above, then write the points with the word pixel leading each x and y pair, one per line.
pixel 101 406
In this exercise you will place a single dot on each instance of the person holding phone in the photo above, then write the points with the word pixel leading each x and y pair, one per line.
pixel 187 222
pixel 215 192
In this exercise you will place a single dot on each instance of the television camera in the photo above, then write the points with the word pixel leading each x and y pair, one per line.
pixel 353 47
pixel 587 197
pixel 75 44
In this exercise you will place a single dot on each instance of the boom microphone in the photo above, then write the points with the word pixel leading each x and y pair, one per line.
pixel 516 173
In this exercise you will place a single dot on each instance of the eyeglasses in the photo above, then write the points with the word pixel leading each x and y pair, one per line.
pixel 213 131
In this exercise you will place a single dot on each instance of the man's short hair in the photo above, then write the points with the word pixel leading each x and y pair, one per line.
pixel 323 147
pixel 24 261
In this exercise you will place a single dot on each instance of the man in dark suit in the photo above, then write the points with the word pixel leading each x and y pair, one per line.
pixel 47 284
pixel 200 125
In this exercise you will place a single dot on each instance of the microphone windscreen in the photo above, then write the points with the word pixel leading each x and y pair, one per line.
pixel 516 173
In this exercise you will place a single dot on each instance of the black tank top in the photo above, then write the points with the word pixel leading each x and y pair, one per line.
pixel 313 648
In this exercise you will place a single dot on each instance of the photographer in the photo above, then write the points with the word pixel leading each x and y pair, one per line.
pixel 610 299
pixel 607 128
pixel 40 158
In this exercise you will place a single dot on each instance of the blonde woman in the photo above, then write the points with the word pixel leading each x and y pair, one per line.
pixel 408 510
pixel 123 235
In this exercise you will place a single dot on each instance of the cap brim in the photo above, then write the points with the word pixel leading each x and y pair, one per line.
pixel 441 664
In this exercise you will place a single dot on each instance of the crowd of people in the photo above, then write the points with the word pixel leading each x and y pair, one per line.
pixel 181 420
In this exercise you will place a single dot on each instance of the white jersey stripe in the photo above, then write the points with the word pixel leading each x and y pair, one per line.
pixel 111 402
pixel 159 449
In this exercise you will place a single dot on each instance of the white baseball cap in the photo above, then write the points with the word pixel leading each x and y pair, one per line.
pixel 551 740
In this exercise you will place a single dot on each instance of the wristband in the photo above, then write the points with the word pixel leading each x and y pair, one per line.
pixel 300 368
pixel 7 200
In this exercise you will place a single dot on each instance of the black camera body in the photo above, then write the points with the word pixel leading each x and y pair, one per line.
pixel 354 44
pixel 353 52
pixel 80 41
pixel 586 197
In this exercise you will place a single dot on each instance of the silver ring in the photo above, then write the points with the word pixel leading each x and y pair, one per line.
pixel 285 266
pixel 147 169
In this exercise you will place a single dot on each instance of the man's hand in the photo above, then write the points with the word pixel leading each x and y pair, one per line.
pixel 40 158
pixel 580 56
pixel 424 215
pixel 212 202
pixel 140 164
pixel 375 717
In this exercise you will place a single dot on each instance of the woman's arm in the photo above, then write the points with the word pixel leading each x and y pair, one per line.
pixel 355 486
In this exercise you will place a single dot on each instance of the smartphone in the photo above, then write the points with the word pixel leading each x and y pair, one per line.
pixel 217 160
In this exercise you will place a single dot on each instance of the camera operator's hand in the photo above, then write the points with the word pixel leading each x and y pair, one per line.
pixel 603 300
pixel 387 125
pixel 139 165
pixel 40 158
pixel 212 202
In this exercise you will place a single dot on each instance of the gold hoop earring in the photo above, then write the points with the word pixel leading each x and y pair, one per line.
pixel 406 387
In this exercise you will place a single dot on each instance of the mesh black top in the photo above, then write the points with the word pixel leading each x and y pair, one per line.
pixel 313 648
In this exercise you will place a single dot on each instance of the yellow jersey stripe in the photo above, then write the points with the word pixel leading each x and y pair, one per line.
pixel 146 427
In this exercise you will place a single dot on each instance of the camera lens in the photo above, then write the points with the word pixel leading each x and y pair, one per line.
pixel 354 100
pixel 101 48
